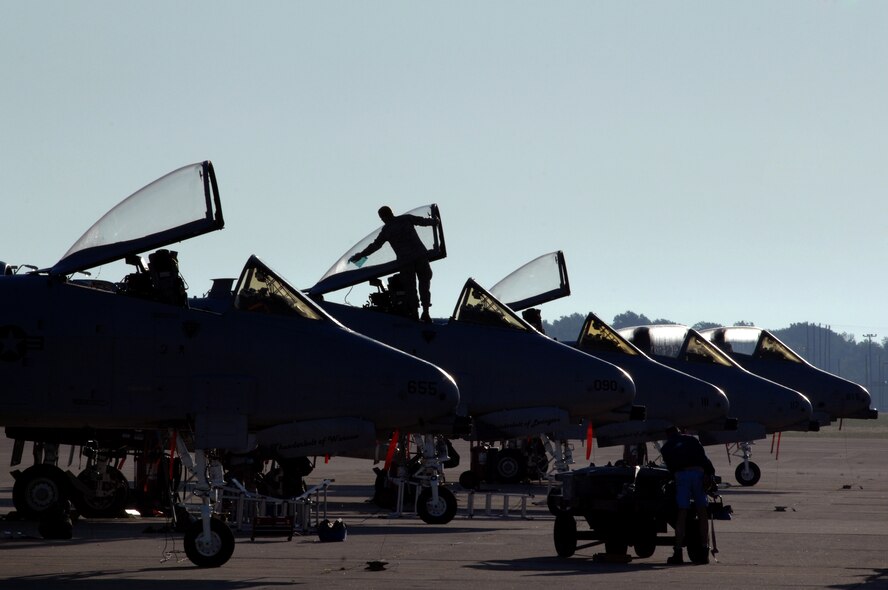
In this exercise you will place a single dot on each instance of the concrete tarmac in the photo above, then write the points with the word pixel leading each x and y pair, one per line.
pixel 817 519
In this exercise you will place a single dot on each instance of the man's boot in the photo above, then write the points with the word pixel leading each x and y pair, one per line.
pixel 676 558
pixel 425 316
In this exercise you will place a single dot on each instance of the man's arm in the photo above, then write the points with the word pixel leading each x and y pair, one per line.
pixel 371 247
pixel 417 220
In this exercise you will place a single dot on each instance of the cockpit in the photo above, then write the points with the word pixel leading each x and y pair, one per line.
pixel 597 336
pixel 678 342
pixel 159 280
pixel 475 305
pixel 752 342
pixel 260 290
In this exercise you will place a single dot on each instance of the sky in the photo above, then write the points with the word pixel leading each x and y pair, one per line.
pixel 695 161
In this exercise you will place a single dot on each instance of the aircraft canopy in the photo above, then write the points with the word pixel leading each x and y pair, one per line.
pixel 261 290
pixel 475 305
pixel 345 273
pixel 751 341
pixel 678 342
pixel 181 205
pixel 597 336
pixel 541 280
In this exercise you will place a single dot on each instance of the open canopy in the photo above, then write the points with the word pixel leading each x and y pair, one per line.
pixel 181 205
pixel 541 280
pixel 382 262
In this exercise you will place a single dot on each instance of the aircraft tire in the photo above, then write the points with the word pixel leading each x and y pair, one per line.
pixel 440 512
pixel 214 553
pixel 109 506
pixel 748 477
pixel 37 489
pixel 565 535
pixel 510 466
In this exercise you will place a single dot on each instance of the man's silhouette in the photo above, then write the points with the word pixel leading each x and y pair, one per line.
pixel 685 458
pixel 399 232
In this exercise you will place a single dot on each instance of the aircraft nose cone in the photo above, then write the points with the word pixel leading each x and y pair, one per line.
pixel 792 407
pixel 431 391
pixel 713 401
pixel 448 392
pixel 607 387
pixel 857 402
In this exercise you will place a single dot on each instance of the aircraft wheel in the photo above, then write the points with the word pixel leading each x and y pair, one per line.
pixel 565 535
pixel 211 552
pixel 555 502
pixel 111 503
pixel 440 512
pixel 748 476
pixel 510 466
pixel 38 489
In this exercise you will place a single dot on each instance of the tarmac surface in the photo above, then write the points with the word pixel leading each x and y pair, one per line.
pixel 817 519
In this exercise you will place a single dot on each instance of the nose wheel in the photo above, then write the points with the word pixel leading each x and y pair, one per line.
pixel 748 473
pixel 440 511
pixel 209 550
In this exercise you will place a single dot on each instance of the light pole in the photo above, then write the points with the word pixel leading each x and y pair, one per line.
pixel 881 382
pixel 869 349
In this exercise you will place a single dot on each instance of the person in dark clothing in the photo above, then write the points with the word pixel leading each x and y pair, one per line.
pixel 399 232
pixel 691 468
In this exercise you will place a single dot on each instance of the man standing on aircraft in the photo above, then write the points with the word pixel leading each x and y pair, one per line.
pixel 687 461
pixel 398 231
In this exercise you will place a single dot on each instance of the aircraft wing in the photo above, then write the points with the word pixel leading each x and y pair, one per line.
pixel 541 280
pixel 183 204
pixel 382 262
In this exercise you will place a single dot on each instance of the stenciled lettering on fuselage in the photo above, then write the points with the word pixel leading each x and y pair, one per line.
pixel 535 424
pixel 317 442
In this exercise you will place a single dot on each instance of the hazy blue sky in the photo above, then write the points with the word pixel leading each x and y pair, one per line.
pixel 698 161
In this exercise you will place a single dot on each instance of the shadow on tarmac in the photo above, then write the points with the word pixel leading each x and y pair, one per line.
pixel 112 579
pixel 559 566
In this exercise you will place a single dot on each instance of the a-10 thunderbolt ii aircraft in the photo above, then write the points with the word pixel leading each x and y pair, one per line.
pixel 513 381
pixel 90 355
pixel 762 406
pixel 758 351
pixel 669 397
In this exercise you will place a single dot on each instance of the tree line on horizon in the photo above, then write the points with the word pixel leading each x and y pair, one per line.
pixel 864 362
